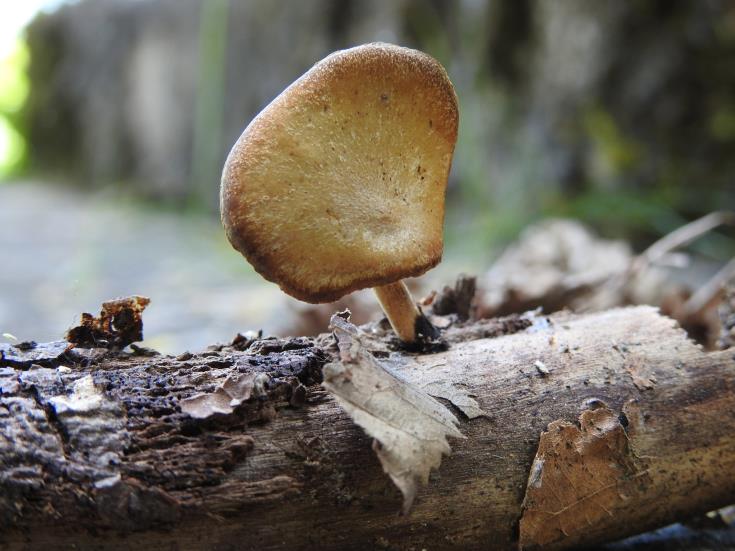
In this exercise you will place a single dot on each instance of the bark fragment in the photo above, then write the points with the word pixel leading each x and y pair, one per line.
pixel 457 300
pixel 580 478
pixel 226 397
pixel 24 355
pixel 119 324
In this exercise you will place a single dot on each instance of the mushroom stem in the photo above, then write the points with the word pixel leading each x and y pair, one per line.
pixel 403 314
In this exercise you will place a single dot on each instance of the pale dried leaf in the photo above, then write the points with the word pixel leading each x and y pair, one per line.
pixel 457 396
pixel 409 426
pixel 554 263
pixel 446 382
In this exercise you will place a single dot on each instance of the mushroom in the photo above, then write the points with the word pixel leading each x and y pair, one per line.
pixel 339 183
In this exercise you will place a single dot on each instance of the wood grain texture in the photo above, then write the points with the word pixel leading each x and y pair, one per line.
pixel 287 469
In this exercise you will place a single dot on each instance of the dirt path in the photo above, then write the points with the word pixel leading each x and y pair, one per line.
pixel 65 251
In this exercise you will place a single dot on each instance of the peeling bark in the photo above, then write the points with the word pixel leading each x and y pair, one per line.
pixel 98 451
pixel 580 480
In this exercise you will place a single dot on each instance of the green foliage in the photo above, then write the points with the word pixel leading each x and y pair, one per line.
pixel 615 212
pixel 639 217
pixel 12 148
pixel 13 92
pixel 722 123
pixel 617 151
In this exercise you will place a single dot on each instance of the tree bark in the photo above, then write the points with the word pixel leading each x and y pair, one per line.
pixel 597 427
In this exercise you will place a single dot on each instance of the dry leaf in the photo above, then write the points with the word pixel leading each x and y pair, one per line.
pixel 554 264
pixel 459 398
pixel 579 478
pixel 446 383
pixel 408 425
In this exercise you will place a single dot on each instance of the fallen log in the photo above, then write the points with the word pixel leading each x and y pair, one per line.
pixel 586 429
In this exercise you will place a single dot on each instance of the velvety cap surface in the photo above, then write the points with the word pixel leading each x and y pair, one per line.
pixel 339 183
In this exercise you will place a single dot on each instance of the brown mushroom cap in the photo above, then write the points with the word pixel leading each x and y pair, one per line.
pixel 339 183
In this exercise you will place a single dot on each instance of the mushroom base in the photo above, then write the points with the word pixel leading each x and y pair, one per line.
pixel 404 316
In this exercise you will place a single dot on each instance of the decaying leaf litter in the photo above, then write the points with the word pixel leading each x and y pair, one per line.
pixel 561 264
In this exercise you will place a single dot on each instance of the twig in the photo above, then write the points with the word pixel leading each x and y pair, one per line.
pixel 682 236
pixel 710 291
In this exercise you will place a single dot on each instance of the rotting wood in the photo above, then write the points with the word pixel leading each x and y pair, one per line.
pixel 99 453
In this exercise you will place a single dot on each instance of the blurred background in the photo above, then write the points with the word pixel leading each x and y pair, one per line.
pixel 116 117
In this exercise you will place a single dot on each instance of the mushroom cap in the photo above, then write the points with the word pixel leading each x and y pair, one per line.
pixel 339 183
